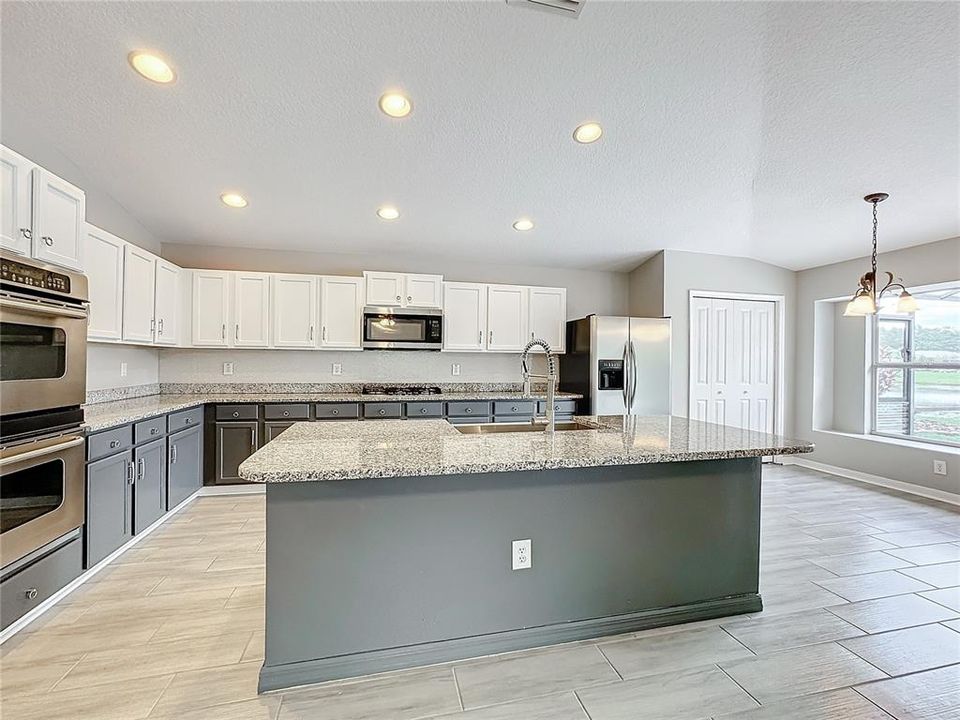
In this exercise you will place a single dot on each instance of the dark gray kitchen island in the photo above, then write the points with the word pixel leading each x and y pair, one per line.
pixel 389 542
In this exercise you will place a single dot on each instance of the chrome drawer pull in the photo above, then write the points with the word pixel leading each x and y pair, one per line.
pixel 31 594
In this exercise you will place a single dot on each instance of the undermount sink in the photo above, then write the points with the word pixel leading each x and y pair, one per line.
pixel 487 428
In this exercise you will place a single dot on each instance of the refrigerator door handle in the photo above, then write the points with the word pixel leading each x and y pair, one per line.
pixel 633 377
pixel 625 390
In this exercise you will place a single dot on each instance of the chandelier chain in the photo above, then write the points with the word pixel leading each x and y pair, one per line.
pixel 873 256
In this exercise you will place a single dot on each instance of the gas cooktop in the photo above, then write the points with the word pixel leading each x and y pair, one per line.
pixel 400 390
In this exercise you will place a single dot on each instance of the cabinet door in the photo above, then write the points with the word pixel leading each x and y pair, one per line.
pixel 548 316
pixel 294 311
pixel 104 254
pixel 236 441
pixel 424 291
pixel 138 294
pixel 272 429
pixel 59 211
pixel 211 300
pixel 384 289
pixel 109 518
pixel 506 318
pixel 464 316
pixel 166 310
pixel 341 312
pixel 15 193
pixel 150 484
pixel 185 465
pixel 251 310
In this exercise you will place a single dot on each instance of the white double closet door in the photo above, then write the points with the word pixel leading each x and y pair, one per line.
pixel 732 362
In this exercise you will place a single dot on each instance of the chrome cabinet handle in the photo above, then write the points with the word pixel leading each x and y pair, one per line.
pixel 129 473
pixel 423 411
pixel 334 412
pixel 409 298
pixel 173 454
pixel 223 331
pixel 160 326
pixel 236 413
pixel 398 298
pixel 31 594
pixel 490 338
pixel 236 333
pixel 27 233
pixel 48 241
pixel 114 444
pixel 383 412
pixel 468 410
pixel 513 409
pixel 286 413
pixel 140 468
pixel 480 337
pixel 324 333
pixel 311 333
pixel 154 431
pixel 153 325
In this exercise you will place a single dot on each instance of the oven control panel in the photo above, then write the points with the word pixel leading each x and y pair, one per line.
pixel 30 276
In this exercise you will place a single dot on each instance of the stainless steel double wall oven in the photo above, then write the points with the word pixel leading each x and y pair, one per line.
pixel 43 368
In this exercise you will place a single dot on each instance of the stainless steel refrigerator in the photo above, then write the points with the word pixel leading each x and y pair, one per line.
pixel 621 365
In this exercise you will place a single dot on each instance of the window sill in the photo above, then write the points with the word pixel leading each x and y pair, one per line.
pixel 900 442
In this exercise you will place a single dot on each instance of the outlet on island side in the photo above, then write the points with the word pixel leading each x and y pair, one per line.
pixel 336 369
pixel 939 467
pixel 123 369
pixel 228 368
pixel 455 369
pixel 522 554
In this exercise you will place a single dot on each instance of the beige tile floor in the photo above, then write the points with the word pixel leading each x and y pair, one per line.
pixel 862 622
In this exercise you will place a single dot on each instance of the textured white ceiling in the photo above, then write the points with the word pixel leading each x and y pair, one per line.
pixel 738 128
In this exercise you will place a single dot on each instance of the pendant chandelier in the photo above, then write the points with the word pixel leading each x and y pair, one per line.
pixel 864 301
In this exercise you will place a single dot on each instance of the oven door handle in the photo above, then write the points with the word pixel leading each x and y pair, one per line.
pixel 43 308
pixel 39 452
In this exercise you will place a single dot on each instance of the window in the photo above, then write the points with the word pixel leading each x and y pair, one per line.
pixel 916 369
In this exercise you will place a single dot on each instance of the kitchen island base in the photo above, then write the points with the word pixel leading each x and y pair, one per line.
pixel 376 574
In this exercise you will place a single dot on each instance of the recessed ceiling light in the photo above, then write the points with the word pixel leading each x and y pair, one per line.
pixel 395 105
pixel 234 200
pixel 388 212
pixel 588 133
pixel 152 67
pixel 523 224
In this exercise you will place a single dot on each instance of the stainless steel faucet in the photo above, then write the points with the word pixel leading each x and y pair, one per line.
pixel 550 377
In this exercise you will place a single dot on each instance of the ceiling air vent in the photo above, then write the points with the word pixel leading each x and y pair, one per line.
pixel 570 8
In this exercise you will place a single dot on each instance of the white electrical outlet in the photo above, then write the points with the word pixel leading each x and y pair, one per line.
pixel 123 369
pixel 228 368
pixel 455 369
pixel 939 467
pixel 337 369
pixel 522 554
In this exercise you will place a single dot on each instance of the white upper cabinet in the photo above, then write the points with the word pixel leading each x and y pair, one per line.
pixel 104 255
pixel 15 190
pixel 139 268
pixel 58 212
pixel 548 316
pixel 166 306
pixel 341 311
pixel 211 307
pixel 423 291
pixel 464 316
pixel 386 289
pixel 295 310
pixel 507 317
pixel 251 310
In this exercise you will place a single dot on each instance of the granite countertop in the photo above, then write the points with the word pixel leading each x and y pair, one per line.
pixel 102 416
pixel 383 448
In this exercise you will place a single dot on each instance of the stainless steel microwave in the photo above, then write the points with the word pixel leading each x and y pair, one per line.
pixel 387 328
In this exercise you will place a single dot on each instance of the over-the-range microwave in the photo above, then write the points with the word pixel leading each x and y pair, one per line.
pixel 387 328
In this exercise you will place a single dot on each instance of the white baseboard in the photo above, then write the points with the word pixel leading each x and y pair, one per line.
pixel 248 489
pixel 18 625
pixel 910 488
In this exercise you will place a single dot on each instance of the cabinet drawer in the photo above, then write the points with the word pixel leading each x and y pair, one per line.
pixel 287 411
pixel 424 409
pixel 108 442
pixel 187 418
pixel 337 410
pixel 514 407
pixel 26 589
pixel 560 407
pixel 468 409
pixel 150 429
pixel 237 412
pixel 375 411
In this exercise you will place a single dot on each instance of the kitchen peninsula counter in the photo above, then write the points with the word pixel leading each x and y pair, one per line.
pixel 389 544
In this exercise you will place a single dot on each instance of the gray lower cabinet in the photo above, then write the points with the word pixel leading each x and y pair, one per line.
pixel 22 591
pixel 235 442
pixel 109 521
pixel 184 465
pixel 150 484
pixel 271 429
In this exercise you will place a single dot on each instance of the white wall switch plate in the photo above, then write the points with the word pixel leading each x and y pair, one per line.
pixel 455 369
pixel 522 554
pixel 123 369
pixel 337 369
pixel 939 467
pixel 228 368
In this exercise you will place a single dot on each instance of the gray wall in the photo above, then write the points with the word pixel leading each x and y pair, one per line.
pixel 912 463
pixel 104 361
pixel 588 291
pixel 645 288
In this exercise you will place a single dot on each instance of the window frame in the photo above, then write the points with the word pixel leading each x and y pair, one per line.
pixel 909 367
